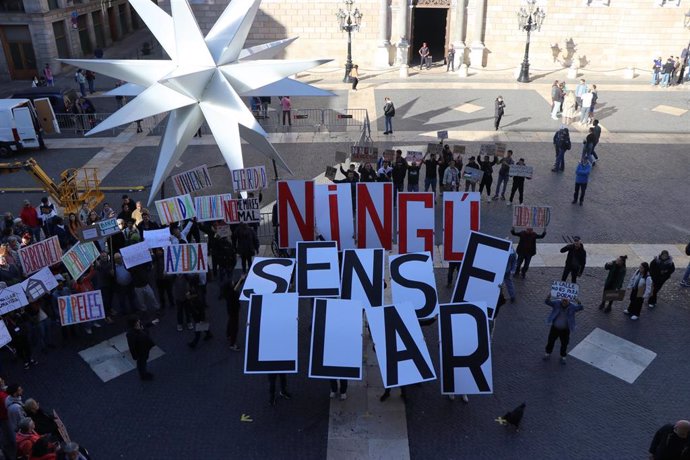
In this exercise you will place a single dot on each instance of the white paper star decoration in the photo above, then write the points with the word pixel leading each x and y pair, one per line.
pixel 204 79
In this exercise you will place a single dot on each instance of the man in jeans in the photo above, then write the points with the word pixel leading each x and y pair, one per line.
pixel 685 282
pixel 388 114
pixel 503 175
pixel 430 172
pixel 562 321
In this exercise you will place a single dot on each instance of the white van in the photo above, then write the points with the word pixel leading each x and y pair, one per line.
pixel 19 126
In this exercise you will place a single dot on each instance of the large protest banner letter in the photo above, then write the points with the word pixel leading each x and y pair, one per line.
pixel 482 270
pixel 271 334
pixel 464 349
pixel 415 222
pixel 336 340
pixel 317 269
pixel 460 217
pixel 362 276
pixel 268 276
pixel 412 280
pixel 375 215
pixel 403 365
pixel 334 219
pixel 295 212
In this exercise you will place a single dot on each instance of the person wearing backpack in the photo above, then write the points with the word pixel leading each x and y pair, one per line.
pixel 388 114
pixel 561 142
pixel 640 289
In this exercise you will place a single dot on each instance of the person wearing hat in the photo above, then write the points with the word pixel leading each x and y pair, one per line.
pixel 660 269
pixel 575 261
pixel 29 217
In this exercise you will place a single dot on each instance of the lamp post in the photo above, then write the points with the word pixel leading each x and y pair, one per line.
pixel 530 18
pixel 349 20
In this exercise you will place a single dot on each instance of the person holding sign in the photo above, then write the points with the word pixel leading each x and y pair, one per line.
pixel 614 279
pixel 640 289
pixel 487 167
pixel 526 248
pixel 562 321
pixel 575 261
pixel 504 174
pixel 451 178
pixel 430 171
pixel 518 184
pixel 470 181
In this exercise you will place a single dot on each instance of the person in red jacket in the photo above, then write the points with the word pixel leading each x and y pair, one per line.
pixel 29 217
pixel 26 437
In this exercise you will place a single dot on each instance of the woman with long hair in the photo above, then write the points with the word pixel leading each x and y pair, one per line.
pixel 640 289
pixel 74 225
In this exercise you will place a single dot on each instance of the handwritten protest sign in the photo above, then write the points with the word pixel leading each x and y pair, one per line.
pixel 487 149
pixel 108 227
pixel 175 209
pixel 5 336
pixel 39 284
pixel 192 180
pixel 388 154
pixel 501 149
pixel 614 295
pixel 564 290
pixel 521 171
pixel 11 298
pixel 185 258
pixel 531 216
pixel 364 154
pixel 236 211
pixel 434 148
pixel 135 254
pixel 472 174
pixel 442 134
pixel 330 172
pixel 81 308
pixel 98 230
pixel 79 258
pixel 414 156
pixel 89 233
pixel 209 207
pixel 157 238
pixel 249 179
pixel 41 254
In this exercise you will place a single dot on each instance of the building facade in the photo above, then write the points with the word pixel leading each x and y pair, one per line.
pixel 36 32
pixel 599 35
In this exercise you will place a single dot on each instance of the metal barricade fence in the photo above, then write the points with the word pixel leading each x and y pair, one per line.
pixel 344 118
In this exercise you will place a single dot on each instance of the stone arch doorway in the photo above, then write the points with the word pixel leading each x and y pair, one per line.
pixel 430 24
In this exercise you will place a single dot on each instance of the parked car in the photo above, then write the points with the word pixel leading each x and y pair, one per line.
pixel 19 126
pixel 62 99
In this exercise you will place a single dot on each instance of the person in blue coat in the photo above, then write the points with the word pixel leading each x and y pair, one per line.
pixel 562 321
pixel 584 167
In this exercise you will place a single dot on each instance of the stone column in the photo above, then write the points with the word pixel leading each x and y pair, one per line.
pixel 382 57
pixel 403 44
pixel 459 32
pixel 91 31
pixel 477 48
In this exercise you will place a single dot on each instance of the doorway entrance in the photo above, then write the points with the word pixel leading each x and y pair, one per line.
pixel 19 51
pixel 429 25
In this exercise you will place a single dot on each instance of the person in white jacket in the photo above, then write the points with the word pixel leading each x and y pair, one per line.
pixel 640 289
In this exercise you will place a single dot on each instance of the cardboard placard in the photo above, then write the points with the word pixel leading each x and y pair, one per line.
pixel 135 254
pixel 330 172
pixel 531 216
pixel 5 336
pixel 442 134
pixel 564 290
pixel 249 179
pixel 487 149
pixel 12 298
pixel 192 181
pixel 185 258
pixel 157 238
pixel 364 154
pixel 521 171
pixel 209 207
pixel 472 174
pixel 79 258
pixel 39 284
pixel 458 150
pixel 236 211
pixel 175 209
pixel 107 227
pixel 41 254
pixel 81 308
pixel 501 149
pixel 414 156
pixel 434 148
pixel 89 233
pixel 614 295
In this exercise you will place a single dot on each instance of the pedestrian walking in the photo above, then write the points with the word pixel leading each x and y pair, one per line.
pixel 575 261
pixel 614 280
pixel 388 114
pixel 354 76
pixel 499 110
pixel 140 344
pixel 503 175
pixel 596 135
pixel 671 442
pixel 526 249
pixel 265 102
pixel 586 102
pixel 588 147
pixel 640 289
pixel 660 269
pixel 562 321
pixel 584 167
pixel 595 98
pixel 561 143
pixel 286 107
pixel 450 58
pixel 685 282
pixel 557 95
pixel 518 184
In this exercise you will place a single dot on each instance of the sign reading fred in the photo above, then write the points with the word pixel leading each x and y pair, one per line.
pixel 185 258
pixel 249 179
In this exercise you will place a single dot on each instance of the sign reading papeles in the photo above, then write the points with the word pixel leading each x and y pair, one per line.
pixel 41 254
pixel 81 308
pixel 185 258
pixel 402 354
pixel 564 290
pixel 531 216
pixel 249 179
pixel 175 209
pixel 191 181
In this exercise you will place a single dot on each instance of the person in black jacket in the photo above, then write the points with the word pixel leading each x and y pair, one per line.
pixel 399 172
pixel 246 243
pixel 194 305
pixel 614 279
pixel 430 171
pixel 671 442
pixel 351 169
pixel 231 293
pixel 526 249
pixel 366 173
pixel 499 109
pixel 487 179
pixel 575 261
pixel 660 269
pixel 140 345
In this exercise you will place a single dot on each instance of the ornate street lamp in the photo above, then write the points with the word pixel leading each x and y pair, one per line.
pixel 349 20
pixel 530 18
